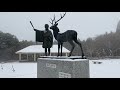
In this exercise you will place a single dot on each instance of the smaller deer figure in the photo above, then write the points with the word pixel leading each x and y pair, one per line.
pixel 67 36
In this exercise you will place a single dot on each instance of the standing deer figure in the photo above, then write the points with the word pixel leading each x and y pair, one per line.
pixel 68 36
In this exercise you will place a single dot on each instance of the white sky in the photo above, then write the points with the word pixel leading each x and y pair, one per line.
pixel 87 24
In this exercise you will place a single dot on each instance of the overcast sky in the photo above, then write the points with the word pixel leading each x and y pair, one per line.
pixel 87 24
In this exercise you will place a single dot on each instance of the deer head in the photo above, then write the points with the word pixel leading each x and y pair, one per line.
pixel 55 22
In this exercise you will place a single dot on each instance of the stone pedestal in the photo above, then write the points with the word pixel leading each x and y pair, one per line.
pixel 62 67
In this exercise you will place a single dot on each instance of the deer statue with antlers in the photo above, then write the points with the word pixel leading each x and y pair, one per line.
pixel 67 36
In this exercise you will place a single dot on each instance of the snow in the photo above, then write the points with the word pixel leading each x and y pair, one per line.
pixel 63 59
pixel 39 49
pixel 19 70
pixel 109 68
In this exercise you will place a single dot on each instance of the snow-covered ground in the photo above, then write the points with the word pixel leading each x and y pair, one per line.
pixel 18 70
pixel 109 68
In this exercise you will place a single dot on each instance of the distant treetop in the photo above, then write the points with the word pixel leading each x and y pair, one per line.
pixel 118 27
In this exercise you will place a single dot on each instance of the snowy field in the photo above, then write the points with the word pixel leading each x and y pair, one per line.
pixel 18 70
pixel 109 68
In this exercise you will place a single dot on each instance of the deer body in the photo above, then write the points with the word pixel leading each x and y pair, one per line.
pixel 67 36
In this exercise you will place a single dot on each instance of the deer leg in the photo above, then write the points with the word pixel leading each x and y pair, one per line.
pixel 73 46
pixel 80 47
pixel 58 49
pixel 61 48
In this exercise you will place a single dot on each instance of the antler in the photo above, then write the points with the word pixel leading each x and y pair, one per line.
pixel 58 19
pixel 61 17
pixel 52 20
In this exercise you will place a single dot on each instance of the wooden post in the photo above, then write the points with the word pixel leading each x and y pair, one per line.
pixel 66 54
pixel 27 56
pixel 19 56
pixel 34 56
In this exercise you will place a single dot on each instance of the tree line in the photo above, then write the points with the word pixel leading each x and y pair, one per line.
pixel 9 44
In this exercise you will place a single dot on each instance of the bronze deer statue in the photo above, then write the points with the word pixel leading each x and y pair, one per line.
pixel 67 36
